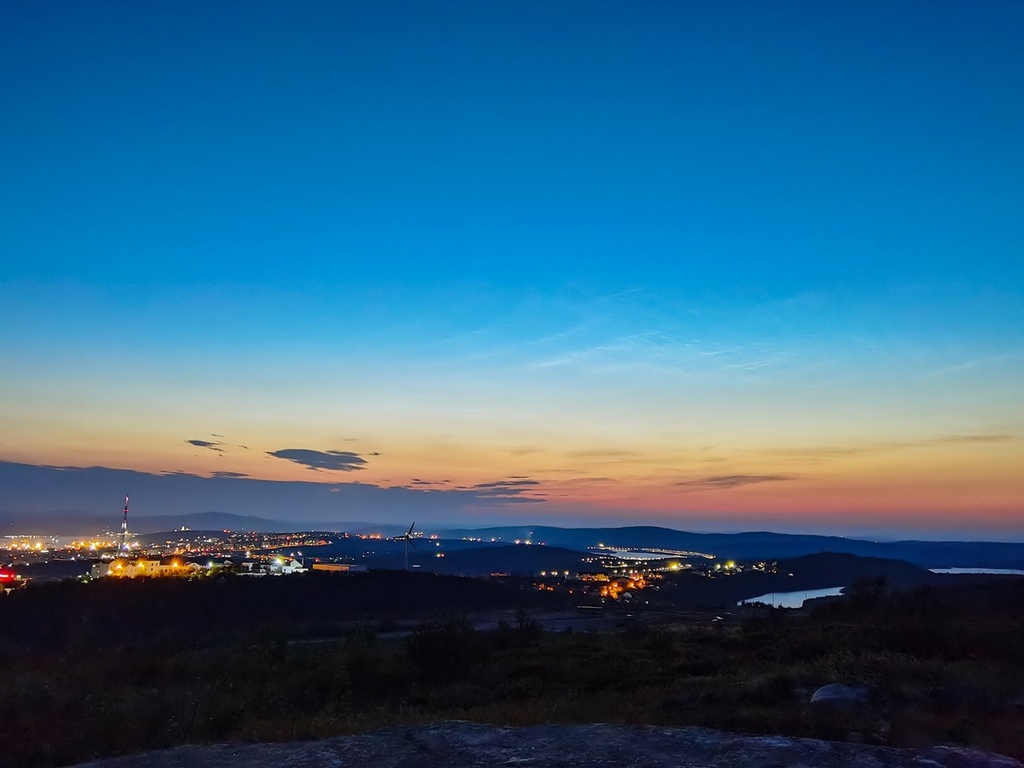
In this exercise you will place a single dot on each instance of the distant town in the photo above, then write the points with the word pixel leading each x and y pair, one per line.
pixel 640 568
pixel 604 571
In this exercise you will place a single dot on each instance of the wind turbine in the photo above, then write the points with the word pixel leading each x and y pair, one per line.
pixel 407 538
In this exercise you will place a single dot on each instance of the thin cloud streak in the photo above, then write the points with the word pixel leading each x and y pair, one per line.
pixel 825 452
pixel 211 445
pixel 725 482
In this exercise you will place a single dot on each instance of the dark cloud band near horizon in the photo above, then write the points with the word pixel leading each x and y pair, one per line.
pixel 32 488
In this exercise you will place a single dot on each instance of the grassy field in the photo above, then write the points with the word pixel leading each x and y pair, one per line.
pixel 943 666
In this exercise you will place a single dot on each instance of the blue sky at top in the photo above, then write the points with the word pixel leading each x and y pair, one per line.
pixel 690 145
pixel 462 217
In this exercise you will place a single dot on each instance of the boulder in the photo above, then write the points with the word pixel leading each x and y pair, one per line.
pixel 841 696
pixel 458 744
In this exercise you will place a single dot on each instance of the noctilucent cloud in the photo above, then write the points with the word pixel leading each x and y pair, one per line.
pixel 705 265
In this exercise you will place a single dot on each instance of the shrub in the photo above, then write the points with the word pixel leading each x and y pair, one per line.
pixel 445 648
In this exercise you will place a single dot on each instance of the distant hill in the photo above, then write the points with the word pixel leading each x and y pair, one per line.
pixel 761 545
pixel 766 545
pixel 833 569
pixel 818 571
pixel 87 523
pixel 75 523
pixel 823 569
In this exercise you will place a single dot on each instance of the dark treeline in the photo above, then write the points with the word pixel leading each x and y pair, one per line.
pixel 201 612
pixel 91 670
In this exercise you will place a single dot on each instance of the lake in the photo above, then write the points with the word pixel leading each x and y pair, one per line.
pixel 792 599
pixel 997 571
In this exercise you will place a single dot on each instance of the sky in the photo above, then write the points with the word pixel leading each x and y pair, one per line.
pixel 714 266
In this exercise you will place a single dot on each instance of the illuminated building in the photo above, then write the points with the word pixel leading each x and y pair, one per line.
pixel 145 567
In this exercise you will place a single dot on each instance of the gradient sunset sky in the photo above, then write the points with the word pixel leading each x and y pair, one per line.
pixel 716 266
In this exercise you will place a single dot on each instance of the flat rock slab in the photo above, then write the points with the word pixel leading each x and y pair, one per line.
pixel 457 744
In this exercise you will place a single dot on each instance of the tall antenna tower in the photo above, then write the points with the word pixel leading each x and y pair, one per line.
pixel 124 528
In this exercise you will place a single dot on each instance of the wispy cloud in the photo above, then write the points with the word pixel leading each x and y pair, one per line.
pixel 524 450
pixel 340 461
pixel 516 489
pixel 975 438
pixel 724 482
pixel 605 453
pixel 504 484
pixel 664 352
pixel 970 365
pixel 214 445
pixel 587 481
pixel 519 489
pixel 823 452
pixel 210 444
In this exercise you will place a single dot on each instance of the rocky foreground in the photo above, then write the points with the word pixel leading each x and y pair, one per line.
pixel 455 744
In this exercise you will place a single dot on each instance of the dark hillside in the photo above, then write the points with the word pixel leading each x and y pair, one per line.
pixel 199 612
pixel 842 569
pixel 819 571
pixel 516 560
pixel 761 545
pixel 109 668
